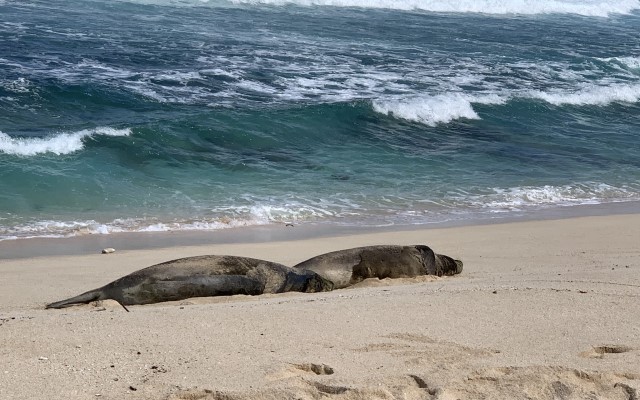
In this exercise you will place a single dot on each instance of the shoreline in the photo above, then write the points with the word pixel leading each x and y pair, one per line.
pixel 91 243
pixel 543 309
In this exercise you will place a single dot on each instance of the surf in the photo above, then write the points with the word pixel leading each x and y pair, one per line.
pixel 593 8
pixel 58 144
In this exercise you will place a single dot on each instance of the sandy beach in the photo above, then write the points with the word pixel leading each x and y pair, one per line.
pixel 542 310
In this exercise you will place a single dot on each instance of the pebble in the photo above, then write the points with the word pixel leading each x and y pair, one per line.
pixel 108 250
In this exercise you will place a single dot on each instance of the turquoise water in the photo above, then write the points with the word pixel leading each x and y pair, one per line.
pixel 158 115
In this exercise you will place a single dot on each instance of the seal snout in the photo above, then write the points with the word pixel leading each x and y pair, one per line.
pixel 458 266
pixel 316 283
pixel 446 265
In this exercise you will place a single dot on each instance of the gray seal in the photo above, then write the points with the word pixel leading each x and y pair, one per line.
pixel 202 276
pixel 350 266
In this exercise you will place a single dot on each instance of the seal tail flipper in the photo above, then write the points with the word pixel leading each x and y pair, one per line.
pixel 83 298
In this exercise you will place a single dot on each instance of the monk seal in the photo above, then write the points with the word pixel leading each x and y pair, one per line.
pixel 202 276
pixel 350 266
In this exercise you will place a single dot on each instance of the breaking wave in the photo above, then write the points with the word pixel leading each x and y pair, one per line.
pixel 444 108
pixel 595 95
pixel 64 143
pixel 595 8
pixel 433 110
pixel 629 62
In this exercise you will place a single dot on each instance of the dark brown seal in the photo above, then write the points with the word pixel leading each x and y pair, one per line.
pixel 202 276
pixel 350 266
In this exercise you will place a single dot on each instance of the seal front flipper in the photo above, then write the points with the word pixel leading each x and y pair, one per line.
pixel 84 298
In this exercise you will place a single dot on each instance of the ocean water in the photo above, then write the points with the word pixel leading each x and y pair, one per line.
pixel 154 115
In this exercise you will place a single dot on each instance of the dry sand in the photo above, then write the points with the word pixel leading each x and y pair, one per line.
pixel 547 309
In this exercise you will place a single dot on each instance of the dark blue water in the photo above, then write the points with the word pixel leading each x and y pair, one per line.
pixel 169 115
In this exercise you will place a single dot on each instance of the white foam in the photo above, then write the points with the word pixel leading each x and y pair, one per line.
pixel 182 78
pixel 229 217
pixel 255 86
pixel 20 85
pixel 64 143
pixel 286 212
pixel 219 72
pixel 598 8
pixel 433 110
pixel 461 203
pixel 100 70
pixel 54 229
pixel 149 93
pixel 519 198
pixel 629 62
pixel 591 95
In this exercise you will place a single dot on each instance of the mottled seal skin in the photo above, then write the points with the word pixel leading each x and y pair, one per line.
pixel 202 276
pixel 350 266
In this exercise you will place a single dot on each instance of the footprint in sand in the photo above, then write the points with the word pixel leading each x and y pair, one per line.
pixel 418 349
pixel 600 351
pixel 542 381
pixel 295 370
pixel 318 369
